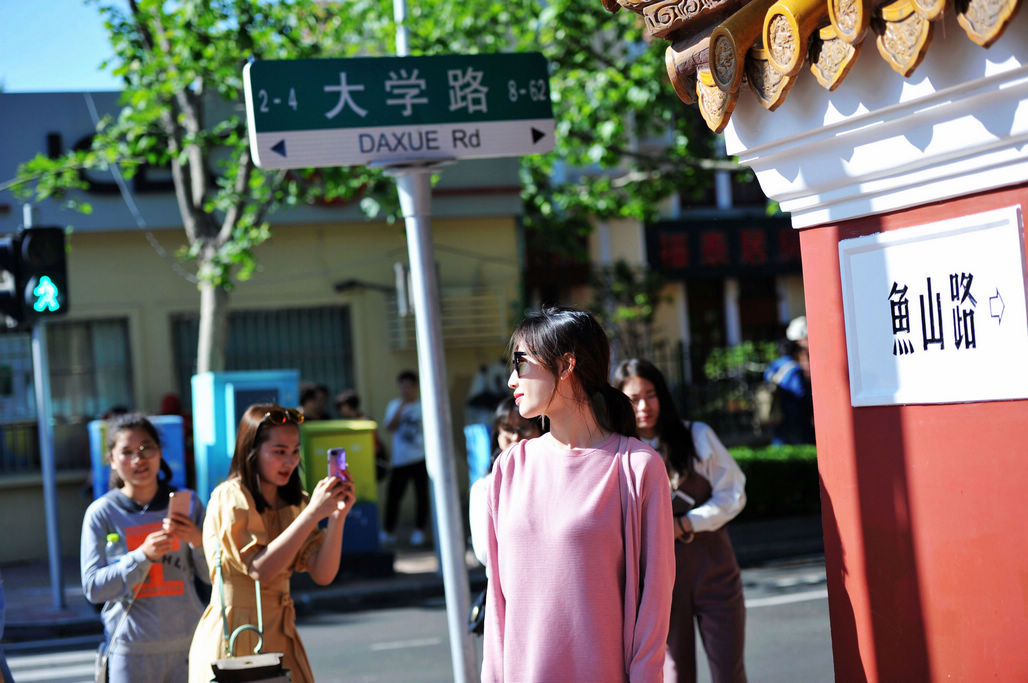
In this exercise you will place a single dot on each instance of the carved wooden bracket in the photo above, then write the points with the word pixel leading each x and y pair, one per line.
pixel 903 35
pixel 683 59
pixel 831 57
pixel 850 18
pixel 730 42
pixel 666 17
pixel 715 104
pixel 768 83
pixel 930 9
pixel 985 20
pixel 715 44
pixel 788 26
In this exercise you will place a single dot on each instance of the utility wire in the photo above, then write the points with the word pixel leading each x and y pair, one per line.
pixel 134 209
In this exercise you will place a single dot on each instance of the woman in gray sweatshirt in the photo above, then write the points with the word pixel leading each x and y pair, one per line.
pixel 155 576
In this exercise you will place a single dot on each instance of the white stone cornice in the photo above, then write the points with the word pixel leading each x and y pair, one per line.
pixel 880 142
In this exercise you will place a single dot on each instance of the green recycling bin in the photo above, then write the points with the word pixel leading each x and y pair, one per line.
pixel 358 438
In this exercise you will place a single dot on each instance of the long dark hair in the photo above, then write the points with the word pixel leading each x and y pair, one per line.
pixel 254 431
pixel 554 332
pixel 132 421
pixel 676 442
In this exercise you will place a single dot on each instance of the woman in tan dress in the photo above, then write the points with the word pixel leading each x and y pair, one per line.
pixel 265 527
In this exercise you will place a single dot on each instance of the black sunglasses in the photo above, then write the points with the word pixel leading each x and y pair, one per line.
pixel 280 416
pixel 519 363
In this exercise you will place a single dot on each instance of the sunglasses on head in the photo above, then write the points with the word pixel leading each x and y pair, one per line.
pixel 279 416
pixel 519 363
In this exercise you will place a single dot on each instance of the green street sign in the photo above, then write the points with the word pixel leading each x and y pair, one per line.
pixel 343 112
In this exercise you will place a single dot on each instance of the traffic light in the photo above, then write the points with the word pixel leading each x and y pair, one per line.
pixel 35 258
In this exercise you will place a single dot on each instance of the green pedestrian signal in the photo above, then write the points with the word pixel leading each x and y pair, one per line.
pixel 35 259
pixel 46 294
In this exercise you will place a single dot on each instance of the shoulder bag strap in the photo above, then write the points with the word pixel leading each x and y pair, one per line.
pixel 230 640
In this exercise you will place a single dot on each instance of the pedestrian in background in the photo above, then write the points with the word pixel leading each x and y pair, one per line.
pixel 314 401
pixel 262 526
pixel 150 604
pixel 708 490
pixel 403 419
pixel 580 558
pixel 508 429
pixel 789 375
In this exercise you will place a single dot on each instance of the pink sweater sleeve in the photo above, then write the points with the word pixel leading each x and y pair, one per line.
pixel 653 573
pixel 495 604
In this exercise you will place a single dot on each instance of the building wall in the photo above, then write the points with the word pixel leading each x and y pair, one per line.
pixel 119 274
pixel 923 520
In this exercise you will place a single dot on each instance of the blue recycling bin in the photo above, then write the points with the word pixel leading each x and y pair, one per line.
pixel 219 401
pixel 479 446
pixel 173 451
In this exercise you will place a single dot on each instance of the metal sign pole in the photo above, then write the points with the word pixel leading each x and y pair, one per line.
pixel 47 463
pixel 414 186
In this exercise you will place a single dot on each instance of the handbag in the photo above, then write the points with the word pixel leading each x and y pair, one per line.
pixel 258 666
pixel 103 651
pixel 476 615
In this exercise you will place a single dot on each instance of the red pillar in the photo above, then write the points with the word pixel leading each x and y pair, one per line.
pixel 924 506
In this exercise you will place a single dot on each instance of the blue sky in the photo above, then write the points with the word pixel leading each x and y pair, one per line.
pixel 52 45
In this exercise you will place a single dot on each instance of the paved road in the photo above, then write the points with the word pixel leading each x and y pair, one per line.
pixel 787 638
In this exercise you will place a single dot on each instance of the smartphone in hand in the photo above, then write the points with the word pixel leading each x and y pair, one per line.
pixel 180 502
pixel 681 502
pixel 337 462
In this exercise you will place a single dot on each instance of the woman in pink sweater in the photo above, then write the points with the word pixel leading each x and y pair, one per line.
pixel 580 545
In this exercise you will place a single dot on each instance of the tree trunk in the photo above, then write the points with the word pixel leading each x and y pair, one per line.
pixel 210 347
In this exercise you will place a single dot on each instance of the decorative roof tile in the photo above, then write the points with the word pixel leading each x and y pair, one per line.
pixel 718 44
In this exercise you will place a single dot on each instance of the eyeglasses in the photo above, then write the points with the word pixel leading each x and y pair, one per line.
pixel 519 363
pixel 280 416
pixel 525 431
pixel 144 452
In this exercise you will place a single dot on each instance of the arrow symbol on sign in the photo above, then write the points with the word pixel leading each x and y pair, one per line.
pixel 992 306
pixel 279 147
pixel 537 135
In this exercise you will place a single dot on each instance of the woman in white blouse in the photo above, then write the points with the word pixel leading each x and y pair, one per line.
pixel 708 490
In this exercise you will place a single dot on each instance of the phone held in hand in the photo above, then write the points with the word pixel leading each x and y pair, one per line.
pixel 180 502
pixel 337 462
pixel 681 502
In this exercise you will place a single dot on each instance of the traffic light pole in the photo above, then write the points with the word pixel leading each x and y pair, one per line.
pixel 47 462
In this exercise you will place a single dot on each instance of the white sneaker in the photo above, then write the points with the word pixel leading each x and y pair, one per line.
pixel 417 537
pixel 386 538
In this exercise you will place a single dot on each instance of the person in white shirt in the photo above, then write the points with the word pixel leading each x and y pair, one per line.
pixel 708 490
pixel 403 419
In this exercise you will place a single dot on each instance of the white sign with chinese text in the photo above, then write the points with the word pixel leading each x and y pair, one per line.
pixel 937 313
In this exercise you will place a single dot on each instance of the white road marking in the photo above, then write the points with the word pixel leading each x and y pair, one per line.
pixel 402 644
pixel 786 599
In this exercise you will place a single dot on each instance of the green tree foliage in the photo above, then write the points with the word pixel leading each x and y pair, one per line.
pixel 181 65
pixel 624 141
pixel 626 300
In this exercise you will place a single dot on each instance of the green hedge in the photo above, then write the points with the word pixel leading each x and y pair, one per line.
pixel 781 481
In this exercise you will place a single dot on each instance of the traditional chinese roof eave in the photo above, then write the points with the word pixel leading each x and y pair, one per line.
pixel 766 44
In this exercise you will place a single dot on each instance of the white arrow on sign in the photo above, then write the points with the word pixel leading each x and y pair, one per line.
pixel 992 307
pixel 309 148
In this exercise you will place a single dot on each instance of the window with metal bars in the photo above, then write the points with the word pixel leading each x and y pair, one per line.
pixel 317 341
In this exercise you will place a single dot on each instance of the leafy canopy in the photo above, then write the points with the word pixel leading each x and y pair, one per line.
pixel 624 141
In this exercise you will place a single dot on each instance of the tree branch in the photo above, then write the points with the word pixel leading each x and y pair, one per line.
pixel 239 204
